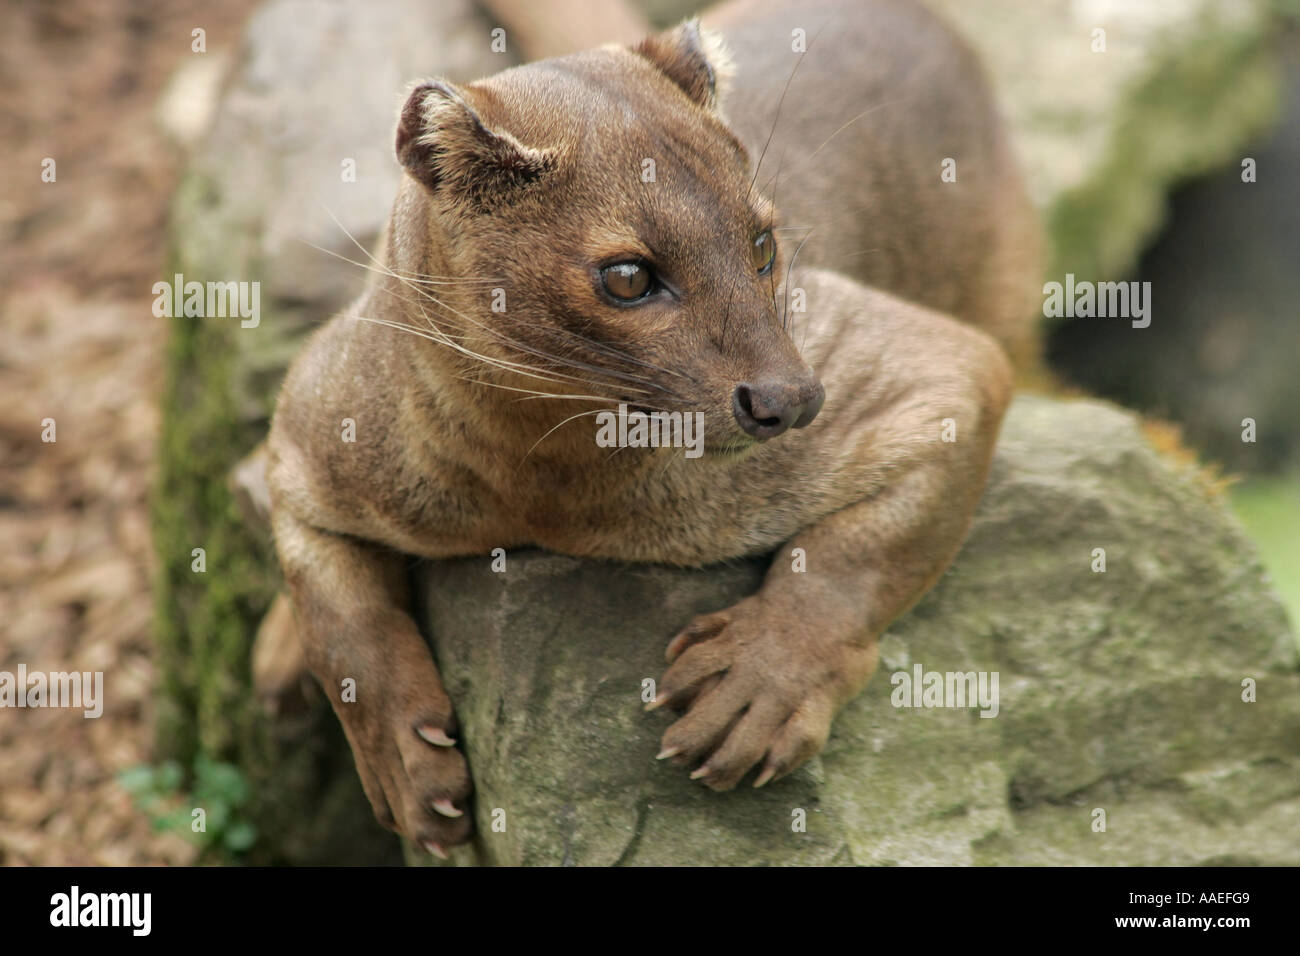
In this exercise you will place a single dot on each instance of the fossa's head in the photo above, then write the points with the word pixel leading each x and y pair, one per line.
pixel 597 231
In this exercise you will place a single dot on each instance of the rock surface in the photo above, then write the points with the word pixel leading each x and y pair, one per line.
pixel 316 83
pixel 1225 275
pixel 313 83
pixel 269 198
pixel 1119 691
pixel 1180 89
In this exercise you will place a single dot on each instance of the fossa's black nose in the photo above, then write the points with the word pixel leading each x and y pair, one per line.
pixel 767 409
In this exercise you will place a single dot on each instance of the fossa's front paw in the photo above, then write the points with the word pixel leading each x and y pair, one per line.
pixel 417 781
pixel 757 682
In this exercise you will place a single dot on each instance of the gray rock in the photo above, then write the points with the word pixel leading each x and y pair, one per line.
pixel 317 83
pixel 312 83
pixel 1182 86
pixel 1223 344
pixel 1120 691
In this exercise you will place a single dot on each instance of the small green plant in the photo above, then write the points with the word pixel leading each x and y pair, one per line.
pixel 209 815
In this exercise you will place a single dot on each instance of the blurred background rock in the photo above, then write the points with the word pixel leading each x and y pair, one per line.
pixel 1133 154
pixel 1225 341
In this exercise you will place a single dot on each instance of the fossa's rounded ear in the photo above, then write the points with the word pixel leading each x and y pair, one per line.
pixel 444 143
pixel 692 57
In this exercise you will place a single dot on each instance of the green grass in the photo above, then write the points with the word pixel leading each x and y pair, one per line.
pixel 1270 510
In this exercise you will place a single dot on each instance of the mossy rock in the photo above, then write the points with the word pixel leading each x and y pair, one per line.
pixel 1181 88
pixel 264 200
pixel 1120 691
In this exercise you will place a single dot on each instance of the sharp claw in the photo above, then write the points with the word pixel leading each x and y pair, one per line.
pixel 659 701
pixel 435 735
pixel 668 752
pixel 446 808
pixel 768 773
pixel 702 771
pixel 436 850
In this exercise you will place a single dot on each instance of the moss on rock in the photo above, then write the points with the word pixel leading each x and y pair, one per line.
pixel 1119 691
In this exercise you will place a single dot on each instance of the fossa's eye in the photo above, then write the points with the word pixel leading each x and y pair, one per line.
pixel 764 253
pixel 627 281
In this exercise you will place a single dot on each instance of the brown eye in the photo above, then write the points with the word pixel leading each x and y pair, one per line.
pixel 764 251
pixel 626 281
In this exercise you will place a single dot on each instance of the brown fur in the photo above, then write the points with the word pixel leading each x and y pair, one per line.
pixel 528 182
